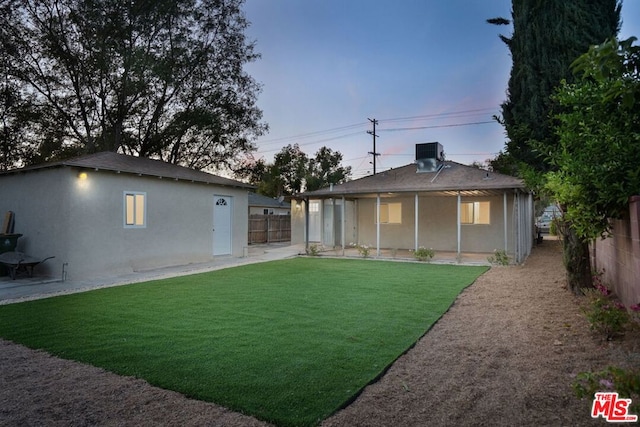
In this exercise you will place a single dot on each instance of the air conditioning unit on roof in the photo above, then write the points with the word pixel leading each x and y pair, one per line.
pixel 428 156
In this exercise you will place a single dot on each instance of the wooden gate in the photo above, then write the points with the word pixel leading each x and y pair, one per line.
pixel 269 228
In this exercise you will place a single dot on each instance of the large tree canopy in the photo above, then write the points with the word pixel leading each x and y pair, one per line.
pixel 154 78
pixel 293 171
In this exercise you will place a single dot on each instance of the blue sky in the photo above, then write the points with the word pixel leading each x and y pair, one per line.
pixel 328 66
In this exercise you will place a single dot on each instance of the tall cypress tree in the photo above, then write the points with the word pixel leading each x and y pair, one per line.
pixel 548 35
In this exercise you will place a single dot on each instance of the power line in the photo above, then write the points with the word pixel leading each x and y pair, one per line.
pixel 440 115
pixel 311 134
pixel 319 133
pixel 314 142
pixel 438 126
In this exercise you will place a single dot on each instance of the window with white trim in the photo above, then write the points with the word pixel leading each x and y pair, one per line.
pixel 390 213
pixel 135 209
pixel 475 212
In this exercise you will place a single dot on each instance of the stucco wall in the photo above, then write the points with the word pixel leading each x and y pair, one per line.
pixel 618 256
pixel 40 200
pixel 437 227
pixel 81 222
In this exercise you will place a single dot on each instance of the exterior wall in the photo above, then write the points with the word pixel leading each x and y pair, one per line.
pixel 619 256
pixel 297 222
pixel 437 225
pixel 81 222
pixel 41 202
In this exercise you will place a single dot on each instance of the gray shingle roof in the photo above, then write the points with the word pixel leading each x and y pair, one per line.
pixel 452 177
pixel 137 165
pixel 264 201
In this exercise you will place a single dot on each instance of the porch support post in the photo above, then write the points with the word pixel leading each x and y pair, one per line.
pixel 506 229
pixel 344 223
pixel 459 226
pixel 415 246
pixel 306 225
pixel 333 222
pixel 378 225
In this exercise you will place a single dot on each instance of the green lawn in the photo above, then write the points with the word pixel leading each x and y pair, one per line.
pixel 287 341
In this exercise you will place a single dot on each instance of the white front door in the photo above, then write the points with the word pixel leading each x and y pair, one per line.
pixel 222 225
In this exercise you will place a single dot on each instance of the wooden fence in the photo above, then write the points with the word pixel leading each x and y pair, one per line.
pixel 269 228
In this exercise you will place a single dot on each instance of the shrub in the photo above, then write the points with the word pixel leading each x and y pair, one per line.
pixel 625 382
pixel 424 254
pixel 363 250
pixel 499 257
pixel 313 250
pixel 606 315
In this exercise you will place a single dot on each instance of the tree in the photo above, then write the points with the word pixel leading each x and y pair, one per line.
pixel 290 168
pixel 599 152
pixel 157 79
pixel 293 171
pixel 325 169
pixel 547 37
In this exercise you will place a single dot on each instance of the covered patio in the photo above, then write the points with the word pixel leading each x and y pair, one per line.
pixel 457 210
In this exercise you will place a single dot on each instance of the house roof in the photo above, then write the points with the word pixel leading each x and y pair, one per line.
pixel 142 166
pixel 256 199
pixel 449 180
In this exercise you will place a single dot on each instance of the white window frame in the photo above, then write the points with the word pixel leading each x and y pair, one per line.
pixel 134 218
pixel 475 213
pixel 385 213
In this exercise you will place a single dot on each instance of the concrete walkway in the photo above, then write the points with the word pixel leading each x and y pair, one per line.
pixel 30 288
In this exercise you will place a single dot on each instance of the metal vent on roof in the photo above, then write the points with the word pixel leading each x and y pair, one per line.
pixel 428 156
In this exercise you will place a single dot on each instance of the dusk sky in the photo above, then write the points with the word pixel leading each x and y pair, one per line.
pixel 437 67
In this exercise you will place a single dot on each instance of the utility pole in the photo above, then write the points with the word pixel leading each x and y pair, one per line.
pixel 373 153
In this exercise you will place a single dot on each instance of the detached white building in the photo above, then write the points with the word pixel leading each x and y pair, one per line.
pixel 107 214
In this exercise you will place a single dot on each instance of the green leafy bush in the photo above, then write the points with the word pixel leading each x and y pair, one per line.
pixel 363 250
pixel 606 315
pixel 625 382
pixel 499 257
pixel 424 254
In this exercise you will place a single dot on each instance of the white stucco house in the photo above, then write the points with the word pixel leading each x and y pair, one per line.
pixel 107 214
pixel 430 203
